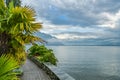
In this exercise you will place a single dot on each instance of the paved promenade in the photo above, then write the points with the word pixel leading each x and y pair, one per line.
pixel 33 72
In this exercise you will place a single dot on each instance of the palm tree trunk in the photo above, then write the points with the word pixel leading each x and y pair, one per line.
pixel 4 46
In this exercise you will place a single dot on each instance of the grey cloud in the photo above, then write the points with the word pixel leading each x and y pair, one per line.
pixel 73 12
pixel 81 13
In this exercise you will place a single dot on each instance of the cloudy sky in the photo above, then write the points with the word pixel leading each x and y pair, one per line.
pixel 81 21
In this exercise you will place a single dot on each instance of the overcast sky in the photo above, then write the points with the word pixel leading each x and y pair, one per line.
pixel 79 19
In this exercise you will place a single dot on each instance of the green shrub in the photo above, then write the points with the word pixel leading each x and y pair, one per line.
pixel 43 54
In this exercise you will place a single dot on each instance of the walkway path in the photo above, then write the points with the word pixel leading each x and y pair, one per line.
pixel 33 72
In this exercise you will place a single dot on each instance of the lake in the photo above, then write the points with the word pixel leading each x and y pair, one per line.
pixel 89 62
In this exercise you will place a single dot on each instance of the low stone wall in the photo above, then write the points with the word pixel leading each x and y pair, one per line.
pixel 48 71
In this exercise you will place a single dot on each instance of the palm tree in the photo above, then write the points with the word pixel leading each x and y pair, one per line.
pixel 17 25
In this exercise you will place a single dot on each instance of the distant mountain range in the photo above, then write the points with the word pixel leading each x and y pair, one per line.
pixel 93 42
pixel 51 40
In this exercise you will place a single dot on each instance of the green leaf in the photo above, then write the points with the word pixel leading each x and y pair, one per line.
pixel 7 65
pixel 11 5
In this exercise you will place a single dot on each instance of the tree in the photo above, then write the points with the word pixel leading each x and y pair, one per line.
pixel 17 25
pixel 43 54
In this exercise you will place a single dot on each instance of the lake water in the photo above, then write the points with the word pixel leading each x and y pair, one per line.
pixel 89 62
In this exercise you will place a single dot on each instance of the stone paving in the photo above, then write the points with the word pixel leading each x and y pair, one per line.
pixel 32 72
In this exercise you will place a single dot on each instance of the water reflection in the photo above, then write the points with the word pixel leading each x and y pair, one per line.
pixel 90 62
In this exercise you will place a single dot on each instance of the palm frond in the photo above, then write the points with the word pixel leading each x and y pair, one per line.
pixel 7 65
pixel 23 19
pixel 2 7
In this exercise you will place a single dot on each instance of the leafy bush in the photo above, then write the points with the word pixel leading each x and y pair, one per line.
pixel 43 54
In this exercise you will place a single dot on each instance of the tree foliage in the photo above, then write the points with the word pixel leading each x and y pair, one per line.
pixel 15 2
pixel 43 54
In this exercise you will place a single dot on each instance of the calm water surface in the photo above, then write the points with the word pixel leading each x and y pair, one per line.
pixel 89 62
